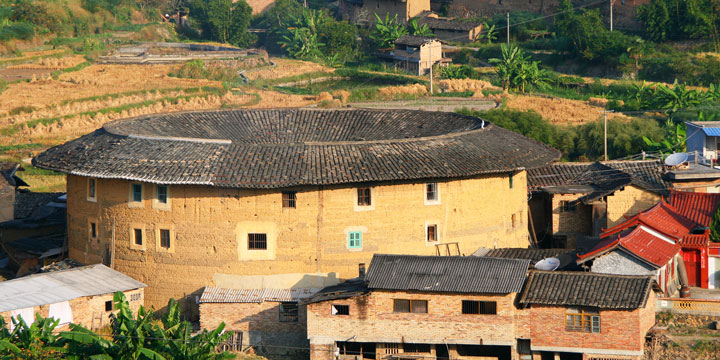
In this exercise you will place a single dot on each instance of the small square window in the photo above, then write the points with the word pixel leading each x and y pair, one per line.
pixel 289 199
pixel 91 188
pixel 165 238
pixel 257 241
pixel 355 240
pixel 340 309
pixel 364 197
pixel 93 230
pixel 108 305
pixel 288 312
pixel 137 192
pixel 431 191
pixel 162 194
pixel 431 233
pixel 139 236
pixel 413 306
pixel 567 206
pixel 135 297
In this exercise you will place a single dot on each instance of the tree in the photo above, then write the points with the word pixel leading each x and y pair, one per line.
pixel 387 31
pixel 419 30
pixel 223 20
pixel 516 71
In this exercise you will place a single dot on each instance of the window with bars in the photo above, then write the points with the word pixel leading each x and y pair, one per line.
pixel 431 191
pixel 410 306
pixel 416 348
pixel 473 307
pixel 432 233
pixel 340 309
pixel 257 241
pixel 135 297
pixel 138 236
pixel 289 198
pixel 165 238
pixel 288 312
pixel 582 319
pixel 93 230
pixel 355 240
pixel 162 194
pixel 137 192
pixel 364 196
pixel 567 206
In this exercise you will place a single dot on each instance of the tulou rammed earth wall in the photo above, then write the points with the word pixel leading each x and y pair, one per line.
pixel 307 246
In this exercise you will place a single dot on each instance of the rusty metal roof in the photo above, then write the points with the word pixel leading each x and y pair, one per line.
pixel 222 295
pixel 463 274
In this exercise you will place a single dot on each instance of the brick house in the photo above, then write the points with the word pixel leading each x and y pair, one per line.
pixel 287 198
pixel 258 317
pixel 417 54
pixel 413 306
pixel 82 295
pixel 451 29
pixel 578 315
pixel 363 11
pixel 571 201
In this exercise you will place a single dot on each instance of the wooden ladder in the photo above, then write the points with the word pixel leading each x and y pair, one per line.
pixel 448 249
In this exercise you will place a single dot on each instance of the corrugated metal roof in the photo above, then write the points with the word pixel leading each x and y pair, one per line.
pixel 53 287
pixel 465 274
pixel 222 295
pixel 711 131
pixel 344 290
pixel 576 288
pixel 534 255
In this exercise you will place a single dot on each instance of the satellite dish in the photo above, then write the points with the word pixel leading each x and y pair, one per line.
pixel 548 264
pixel 676 159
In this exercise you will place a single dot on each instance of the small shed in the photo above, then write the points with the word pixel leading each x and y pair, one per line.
pixel 417 54
pixel 82 295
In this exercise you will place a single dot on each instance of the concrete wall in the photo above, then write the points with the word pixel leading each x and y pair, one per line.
pixel 372 319
pixel 89 311
pixel 629 201
pixel 209 228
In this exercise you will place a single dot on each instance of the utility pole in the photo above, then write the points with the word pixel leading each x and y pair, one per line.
pixel 611 15
pixel 605 112
pixel 508 29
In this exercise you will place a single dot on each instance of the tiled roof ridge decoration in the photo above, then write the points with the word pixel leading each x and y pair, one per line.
pixel 461 274
pixel 280 148
pixel 577 288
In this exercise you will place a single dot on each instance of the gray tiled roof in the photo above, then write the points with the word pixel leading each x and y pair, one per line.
pixel 577 288
pixel 448 24
pixel 533 255
pixel 414 40
pixel 58 286
pixel 463 274
pixel 292 147
pixel 646 174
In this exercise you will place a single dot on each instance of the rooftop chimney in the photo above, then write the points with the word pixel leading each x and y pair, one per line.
pixel 361 270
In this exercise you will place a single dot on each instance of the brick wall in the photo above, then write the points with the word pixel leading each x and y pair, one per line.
pixel 260 325
pixel 372 319
pixel 88 311
pixel 620 330
pixel 208 225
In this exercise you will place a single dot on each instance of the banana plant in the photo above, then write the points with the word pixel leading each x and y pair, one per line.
pixel 387 31
pixel 490 32
pixel 419 30
pixel 674 141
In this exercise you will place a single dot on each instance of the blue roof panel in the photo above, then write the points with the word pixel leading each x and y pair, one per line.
pixel 711 131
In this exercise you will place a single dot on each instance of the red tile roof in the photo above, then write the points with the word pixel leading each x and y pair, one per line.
pixel 638 242
pixel 698 207
pixel 662 218
pixel 695 240
pixel 649 247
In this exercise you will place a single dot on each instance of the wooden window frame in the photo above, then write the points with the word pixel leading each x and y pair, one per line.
pixel 92 190
pixel 410 306
pixel 567 206
pixel 582 320
pixel 288 312
pixel 479 307
pixel 169 238
pixel 431 233
pixel 289 199
pixel 109 304
pixel 159 197
pixel 432 193
pixel 255 240
pixel 354 240
pixel 364 196
pixel 136 232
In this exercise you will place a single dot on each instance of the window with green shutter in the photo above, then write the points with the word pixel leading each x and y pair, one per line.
pixel 355 240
